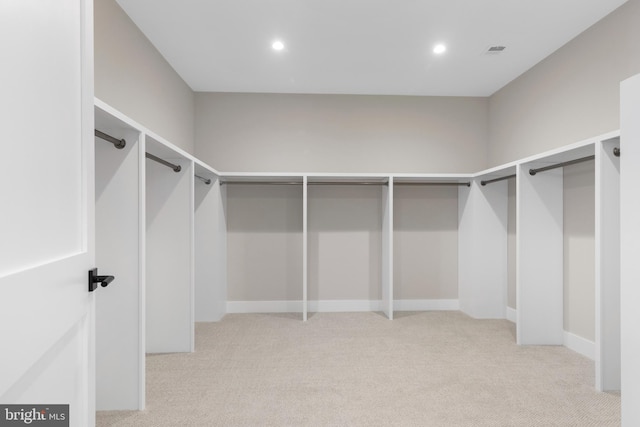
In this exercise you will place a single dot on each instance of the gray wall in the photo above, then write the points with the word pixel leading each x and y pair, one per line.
pixel 324 133
pixel 345 242
pixel 571 95
pixel 341 133
pixel 425 245
pixel 132 76
pixel 264 242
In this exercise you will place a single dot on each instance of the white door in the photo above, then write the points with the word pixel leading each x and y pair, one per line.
pixel 46 205
pixel 630 250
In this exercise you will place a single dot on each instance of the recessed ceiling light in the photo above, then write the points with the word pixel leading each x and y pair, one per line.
pixel 439 49
pixel 277 45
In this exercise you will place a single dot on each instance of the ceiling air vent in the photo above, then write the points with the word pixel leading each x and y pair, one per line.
pixel 495 49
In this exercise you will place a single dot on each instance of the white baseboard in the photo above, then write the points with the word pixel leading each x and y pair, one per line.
pixel 512 315
pixel 426 305
pixel 329 306
pixel 337 306
pixel 264 306
pixel 580 345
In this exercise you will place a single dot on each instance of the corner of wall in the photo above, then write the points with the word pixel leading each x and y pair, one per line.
pixel 571 95
pixel 159 100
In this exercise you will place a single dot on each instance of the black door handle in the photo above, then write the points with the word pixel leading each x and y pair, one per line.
pixel 94 280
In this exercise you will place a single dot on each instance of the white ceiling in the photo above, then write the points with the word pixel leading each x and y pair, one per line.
pixel 359 46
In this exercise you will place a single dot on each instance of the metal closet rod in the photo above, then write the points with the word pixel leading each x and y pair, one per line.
pixel 559 165
pixel 616 151
pixel 262 182
pixel 300 183
pixel 176 168
pixel 203 179
pixel 460 184
pixel 118 143
pixel 489 181
pixel 467 184
pixel 348 183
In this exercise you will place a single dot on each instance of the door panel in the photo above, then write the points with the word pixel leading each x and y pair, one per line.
pixel 630 249
pixel 46 189
pixel 41 128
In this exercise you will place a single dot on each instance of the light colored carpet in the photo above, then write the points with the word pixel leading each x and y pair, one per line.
pixel 360 369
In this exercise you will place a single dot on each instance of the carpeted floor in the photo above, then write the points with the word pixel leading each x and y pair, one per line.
pixel 360 369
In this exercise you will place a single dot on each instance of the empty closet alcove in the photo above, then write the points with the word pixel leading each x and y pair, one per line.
pixel 119 252
pixel 541 241
pixel 264 226
pixel 502 200
pixel 169 249
pixel 349 243
pixel 568 221
pixel 425 243
pixel 209 246
pixel 482 250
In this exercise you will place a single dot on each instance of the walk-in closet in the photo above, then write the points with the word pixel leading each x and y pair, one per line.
pixel 169 249
pixel 264 232
pixel 210 246
pixel 347 253
pixel 187 243
pixel 119 253
pixel 482 245
pixel 161 241
pixel 568 221
pixel 425 244
pixel 217 214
